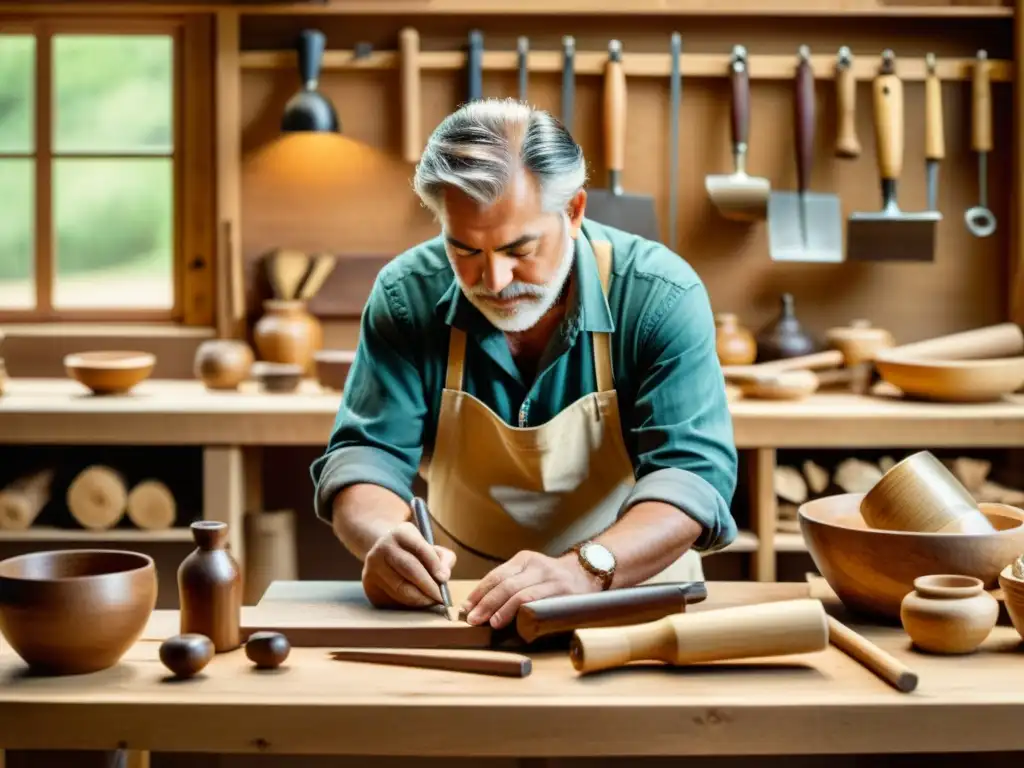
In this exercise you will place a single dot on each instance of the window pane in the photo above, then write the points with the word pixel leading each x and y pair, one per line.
pixel 113 93
pixel 114 222
pixel 17 234
pixel 17 94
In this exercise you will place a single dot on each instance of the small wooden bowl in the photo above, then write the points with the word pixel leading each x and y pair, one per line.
pixel 109 372
pixel 872 570
pixel 1013 597
pixel 332 367
pixel 859 341
pixel 278 378
pixel 920 494
pixel 955 381
pixel 71 612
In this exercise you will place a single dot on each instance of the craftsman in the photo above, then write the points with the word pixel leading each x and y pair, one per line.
pixel 554 381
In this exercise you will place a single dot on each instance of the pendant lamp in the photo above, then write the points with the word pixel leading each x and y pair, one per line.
pixel 310 110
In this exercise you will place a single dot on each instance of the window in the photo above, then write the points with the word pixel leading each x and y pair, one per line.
pixel 92 171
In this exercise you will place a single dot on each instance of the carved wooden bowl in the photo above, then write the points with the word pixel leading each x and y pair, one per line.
pixel 71 612
pixel 960 381
pixel 332 367
pixel 871 570
pixel 1013 597
pixel 109 372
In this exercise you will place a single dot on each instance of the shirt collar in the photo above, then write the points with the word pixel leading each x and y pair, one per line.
pixel 588 306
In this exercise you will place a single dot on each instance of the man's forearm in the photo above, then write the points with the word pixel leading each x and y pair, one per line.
pixel 364 512
pixel 646 540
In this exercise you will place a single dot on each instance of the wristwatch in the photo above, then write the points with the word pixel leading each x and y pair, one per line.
pixel 597 559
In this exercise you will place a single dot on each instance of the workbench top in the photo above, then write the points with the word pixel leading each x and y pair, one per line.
pixel 813 703
pixel 61 411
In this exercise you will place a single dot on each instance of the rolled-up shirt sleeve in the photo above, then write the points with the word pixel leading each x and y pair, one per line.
pixel 681 425
pixel 378 431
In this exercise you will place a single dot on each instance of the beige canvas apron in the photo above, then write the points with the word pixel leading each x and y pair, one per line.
pixel 495 489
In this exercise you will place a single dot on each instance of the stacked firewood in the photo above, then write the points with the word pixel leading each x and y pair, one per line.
pixel 795 485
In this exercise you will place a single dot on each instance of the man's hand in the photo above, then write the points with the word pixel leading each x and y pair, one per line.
pixel 526 577
pixel 402 569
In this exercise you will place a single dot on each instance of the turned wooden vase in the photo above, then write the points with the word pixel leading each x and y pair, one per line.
pixel 734 343
pixel 210 588
pixel 948 613
pixel 287 333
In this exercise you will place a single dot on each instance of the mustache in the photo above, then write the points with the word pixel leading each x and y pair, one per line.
pixel 514 290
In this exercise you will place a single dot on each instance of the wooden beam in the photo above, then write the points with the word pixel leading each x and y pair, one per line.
pixel 762 66
pixel 763 511
pixel 1016 256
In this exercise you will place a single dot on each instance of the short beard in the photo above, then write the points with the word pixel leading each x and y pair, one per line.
pixel 538 298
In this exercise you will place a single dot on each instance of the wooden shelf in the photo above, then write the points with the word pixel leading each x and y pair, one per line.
pixel 662 8
pixel 790 542
pixel 761 66
pixel 748 541
pixel 170 535
pixel 745 542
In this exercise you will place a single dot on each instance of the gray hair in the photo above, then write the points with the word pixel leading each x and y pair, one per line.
pixel 479 147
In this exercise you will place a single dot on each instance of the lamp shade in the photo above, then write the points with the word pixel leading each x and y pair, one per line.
pixel 310 110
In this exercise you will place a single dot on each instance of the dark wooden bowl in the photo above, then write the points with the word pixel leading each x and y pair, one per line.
pixel 71 612
pixel 871 570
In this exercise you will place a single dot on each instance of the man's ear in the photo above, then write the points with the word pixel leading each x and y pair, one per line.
pixel 575 210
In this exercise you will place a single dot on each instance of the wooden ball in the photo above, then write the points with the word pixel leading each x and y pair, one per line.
pixel 267 650
pixel 186 655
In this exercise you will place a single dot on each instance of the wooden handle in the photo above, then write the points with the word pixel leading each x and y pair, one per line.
pixel 888 103
pixel 934 137
pixel 832 358
pixel 805 119
pixel 740 79
pixel 767 629
pixel 481 662
pixel 1001 340
pixel 886 666
pixel 981 104
pixel 409 41
pixel 615 108
pixel 847 143
pixel 616 607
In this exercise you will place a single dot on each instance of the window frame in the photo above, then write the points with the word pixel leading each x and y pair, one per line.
pixel 191 157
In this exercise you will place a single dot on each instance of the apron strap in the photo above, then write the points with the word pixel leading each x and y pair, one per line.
pixel 603 341
pixel 456 358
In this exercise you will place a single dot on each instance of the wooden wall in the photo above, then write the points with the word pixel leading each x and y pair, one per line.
pixel 352 195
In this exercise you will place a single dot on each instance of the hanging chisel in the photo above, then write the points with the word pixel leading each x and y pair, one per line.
pixel 847 143
pixel 934 138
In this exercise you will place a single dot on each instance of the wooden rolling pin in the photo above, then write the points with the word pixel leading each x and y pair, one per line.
pixel 1001 340
pixel 616 607
pixel 482 662
pixel 749 631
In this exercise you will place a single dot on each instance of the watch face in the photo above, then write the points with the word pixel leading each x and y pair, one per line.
pixel 599 557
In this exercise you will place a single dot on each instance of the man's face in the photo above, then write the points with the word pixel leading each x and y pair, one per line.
pixel 511 259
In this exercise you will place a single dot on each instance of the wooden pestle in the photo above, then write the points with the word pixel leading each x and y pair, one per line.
pixel 748 631
pixel 23 499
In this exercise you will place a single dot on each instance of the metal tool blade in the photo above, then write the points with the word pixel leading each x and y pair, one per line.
pixel 932 181
pixel 889 236
pixel 630 213
pixel 805 227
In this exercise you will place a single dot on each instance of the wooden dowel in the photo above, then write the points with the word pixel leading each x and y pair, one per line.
pixel 761 67
pixel 886 666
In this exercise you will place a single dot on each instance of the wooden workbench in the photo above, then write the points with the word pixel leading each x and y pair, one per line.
pixel 822 703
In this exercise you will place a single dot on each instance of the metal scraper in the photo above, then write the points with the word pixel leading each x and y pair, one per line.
pixel 612 206
pixel 890 234
pixel 803 225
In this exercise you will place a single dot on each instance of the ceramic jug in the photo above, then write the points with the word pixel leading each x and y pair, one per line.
pixel 210 588
pixel 948 613
pixel 734 343
pixel 287 333
pixel 784 337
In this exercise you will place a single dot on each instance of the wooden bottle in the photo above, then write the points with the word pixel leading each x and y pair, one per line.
pixel 734 344
pixel 210 588
pixel 784 336
pixel 748 631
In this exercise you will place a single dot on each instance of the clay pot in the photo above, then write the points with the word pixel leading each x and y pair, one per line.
pixel 223 363
pixel 784 336
pixel 948 613
pixel 210 588
pixel 287 333
pixel 734 343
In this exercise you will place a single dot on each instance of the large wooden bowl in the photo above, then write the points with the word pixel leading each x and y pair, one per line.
pixel 71 612
pixel 109 372
pixel 872 570
pixel 960 381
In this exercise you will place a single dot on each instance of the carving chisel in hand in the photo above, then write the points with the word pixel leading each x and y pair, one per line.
pixel 422 520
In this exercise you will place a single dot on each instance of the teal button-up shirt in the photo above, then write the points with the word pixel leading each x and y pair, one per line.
pixel 675 417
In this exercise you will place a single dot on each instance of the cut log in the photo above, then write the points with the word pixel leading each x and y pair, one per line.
pixel 790 485
pixel 998 494
pixel 886 463
pixel 23 500
pixel 971 472
pixel 97 497
pixel 817 477
pixel 857 476
pixel 786 519
pixel 151 506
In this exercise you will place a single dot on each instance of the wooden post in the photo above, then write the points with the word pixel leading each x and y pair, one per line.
pixel 763 512
pixel 228 89
pixel 1017 193
pixel 224 494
